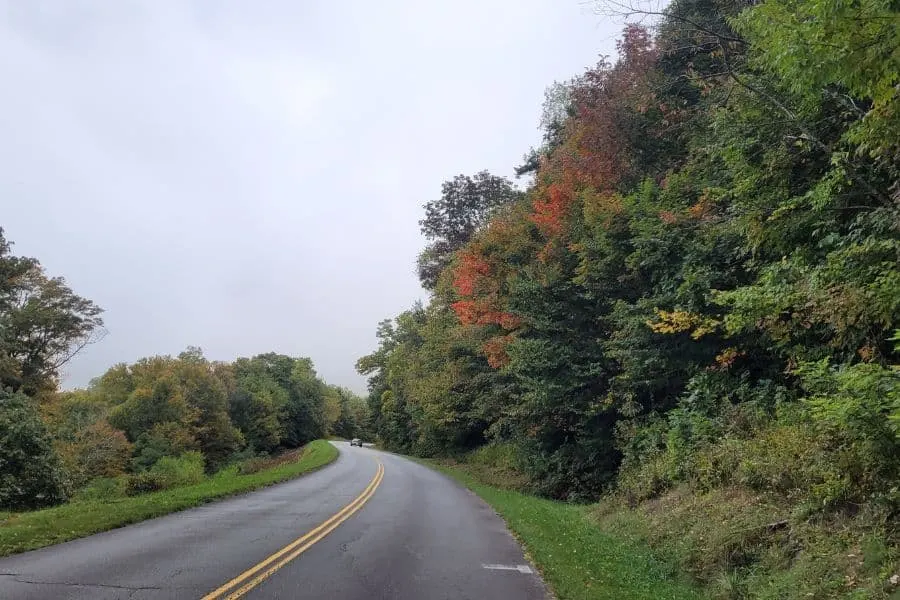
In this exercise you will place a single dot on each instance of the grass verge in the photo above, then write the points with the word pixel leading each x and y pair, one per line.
pixel 577 559
pixel 742 545
pixel 20 532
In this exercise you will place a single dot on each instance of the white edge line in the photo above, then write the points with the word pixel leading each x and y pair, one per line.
pixel 520 568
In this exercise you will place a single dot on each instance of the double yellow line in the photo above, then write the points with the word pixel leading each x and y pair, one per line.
pixel 258 573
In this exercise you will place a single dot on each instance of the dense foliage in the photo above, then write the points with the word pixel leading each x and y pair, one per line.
pixel 30 472
pixel 157 423
pixel 700 283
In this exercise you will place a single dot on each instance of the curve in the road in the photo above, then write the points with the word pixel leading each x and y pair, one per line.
pixel 328 535
pixel 237 587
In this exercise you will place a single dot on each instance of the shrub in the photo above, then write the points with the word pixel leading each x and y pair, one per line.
pixel 646 479
pixel 168 472
pixel 96 451
pixel 860 404
pixel 186 469
pixel 142 483
pixel 501 456
pixel 163 439
pixel 243 455
pixel 499 464
pixel 102 488
pixel 31 475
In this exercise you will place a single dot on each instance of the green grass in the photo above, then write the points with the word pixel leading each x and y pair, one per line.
pixel 577 559
pixel 744 545
pixel 20 532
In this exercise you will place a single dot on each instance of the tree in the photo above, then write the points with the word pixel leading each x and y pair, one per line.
pixel 98 450
pixel 164 439
pixel 333 411
pixel 359 411
pixel 255 402
pixel 158 420
pixel 282 387
pixel 207 398
pixel 555 111
pixel 43 323
pixel 466 204
pixel 31 475
pixel 304 415
pixel 392 421
pixel 115 385
pixel 85 442
pixel 347 424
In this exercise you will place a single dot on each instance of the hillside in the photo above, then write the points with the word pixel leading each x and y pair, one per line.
pixel 691 313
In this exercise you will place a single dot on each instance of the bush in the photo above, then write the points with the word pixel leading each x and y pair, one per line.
pixel 31 474
pixel 791 458
pixel 499 464
pixel 142 483
pixel 186 469
pixel 497 455
pixel 102 488
pixel 646 479
pixel 241 456
pixel 168 472
pixel 96 451
pixel 164 439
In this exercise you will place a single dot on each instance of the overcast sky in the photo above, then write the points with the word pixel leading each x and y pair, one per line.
pixel 247 176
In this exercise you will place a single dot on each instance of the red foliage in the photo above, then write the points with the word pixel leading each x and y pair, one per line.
pixel 470 269
pixel 465 311
pixel 508 321
pixel 550 210
pixel 595 152
pixel 481 312
pixel 478 286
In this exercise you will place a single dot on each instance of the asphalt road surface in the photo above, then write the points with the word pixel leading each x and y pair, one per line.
pixel 370 526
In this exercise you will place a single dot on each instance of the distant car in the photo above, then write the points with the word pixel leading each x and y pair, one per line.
pixel 356 442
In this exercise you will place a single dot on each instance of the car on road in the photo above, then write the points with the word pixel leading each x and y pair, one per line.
pixel 356 442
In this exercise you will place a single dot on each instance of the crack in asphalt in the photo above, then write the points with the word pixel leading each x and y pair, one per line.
pixel 18 579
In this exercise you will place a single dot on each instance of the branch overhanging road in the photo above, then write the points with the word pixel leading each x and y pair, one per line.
pixel 370 526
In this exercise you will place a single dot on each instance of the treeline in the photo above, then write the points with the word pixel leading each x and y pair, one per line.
pixel 160 421
pixel 701 281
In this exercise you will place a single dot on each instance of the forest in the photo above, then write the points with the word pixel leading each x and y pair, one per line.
pixel 157 423
pixel 696 287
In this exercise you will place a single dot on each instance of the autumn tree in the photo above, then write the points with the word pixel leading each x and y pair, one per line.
pixel 466 204
pixel 86 443
pixel 43 323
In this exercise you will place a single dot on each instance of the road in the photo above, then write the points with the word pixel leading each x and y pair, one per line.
pixel 371 525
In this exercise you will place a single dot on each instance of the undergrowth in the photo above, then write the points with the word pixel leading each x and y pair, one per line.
pixel 746 523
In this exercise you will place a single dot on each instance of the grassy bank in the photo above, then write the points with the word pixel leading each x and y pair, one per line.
pixel 743 545
pixel 20 532
pixel 577 559
pixel 726 543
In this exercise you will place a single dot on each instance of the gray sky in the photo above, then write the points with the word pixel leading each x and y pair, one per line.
pixel 247 176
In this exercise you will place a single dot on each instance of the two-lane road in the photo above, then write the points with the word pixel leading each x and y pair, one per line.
pixel 372 525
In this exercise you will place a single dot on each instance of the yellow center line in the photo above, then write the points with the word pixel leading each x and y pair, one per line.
pixel 258 573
